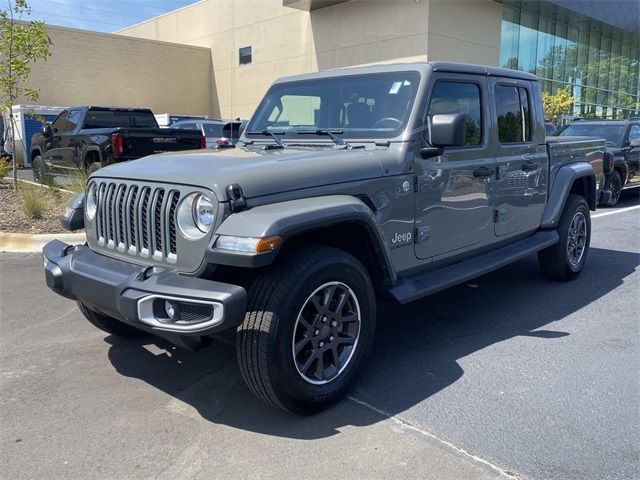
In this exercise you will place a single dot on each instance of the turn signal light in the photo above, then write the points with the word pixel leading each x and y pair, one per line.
pixel 248 244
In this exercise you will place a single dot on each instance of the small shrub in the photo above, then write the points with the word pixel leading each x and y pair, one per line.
pixel 49 180
pixel 78 181
pixel 5 168
pixel 34 203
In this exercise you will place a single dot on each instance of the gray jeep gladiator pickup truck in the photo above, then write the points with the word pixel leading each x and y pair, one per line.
pixel 392 181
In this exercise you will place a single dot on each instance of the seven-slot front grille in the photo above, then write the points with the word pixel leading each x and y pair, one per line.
pixel 138 220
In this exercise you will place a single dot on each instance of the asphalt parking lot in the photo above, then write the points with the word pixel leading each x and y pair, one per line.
pixel 509 375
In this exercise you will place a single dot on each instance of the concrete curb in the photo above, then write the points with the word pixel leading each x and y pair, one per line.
pixel 40 185
pixel 27 243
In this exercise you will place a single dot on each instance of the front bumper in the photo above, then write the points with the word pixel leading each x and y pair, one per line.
pixel 126 291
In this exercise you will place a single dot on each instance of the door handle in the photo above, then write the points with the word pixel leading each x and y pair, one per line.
pixel 483 172
pixel 529 166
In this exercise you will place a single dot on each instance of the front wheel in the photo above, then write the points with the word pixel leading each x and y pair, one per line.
pixel 38 169
pixel 565 259
pixel 309 325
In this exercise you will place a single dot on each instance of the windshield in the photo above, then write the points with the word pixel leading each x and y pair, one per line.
pixel 359 106
pixel 119 118
pixel 611 133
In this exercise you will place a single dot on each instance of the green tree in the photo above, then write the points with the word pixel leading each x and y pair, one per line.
pixel 554 106
pixel 21 44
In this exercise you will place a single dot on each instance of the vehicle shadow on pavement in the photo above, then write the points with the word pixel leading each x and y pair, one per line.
pixel 415 354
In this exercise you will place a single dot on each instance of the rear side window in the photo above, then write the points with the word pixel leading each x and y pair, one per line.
pixel 459 97
pixel 119 118
pixel 514 116
pixel 634 133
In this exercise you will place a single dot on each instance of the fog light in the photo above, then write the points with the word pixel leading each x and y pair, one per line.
pixel 171 309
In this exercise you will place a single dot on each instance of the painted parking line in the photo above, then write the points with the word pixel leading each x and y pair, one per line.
pixel 622 210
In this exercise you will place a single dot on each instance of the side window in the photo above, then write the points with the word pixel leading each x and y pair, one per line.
pixel 634 133
pixel 73 120
pixel 60 123
pixel 459 97
pixel 512 108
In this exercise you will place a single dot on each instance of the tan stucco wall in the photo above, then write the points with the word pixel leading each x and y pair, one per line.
pixel 288 41
pixel 101 69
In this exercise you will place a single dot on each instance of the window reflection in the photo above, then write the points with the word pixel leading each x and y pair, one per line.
pixel 600 62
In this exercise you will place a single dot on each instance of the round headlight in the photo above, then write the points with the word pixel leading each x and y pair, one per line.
pixel 91 201
pixel 203 213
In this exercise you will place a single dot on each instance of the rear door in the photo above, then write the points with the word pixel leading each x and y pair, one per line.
pixel 454 198
pixel 522 162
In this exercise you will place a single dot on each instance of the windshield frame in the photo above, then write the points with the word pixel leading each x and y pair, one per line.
pixel 253 133
pixel 595 126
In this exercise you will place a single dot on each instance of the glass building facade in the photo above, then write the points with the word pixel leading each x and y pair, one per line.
pixel 599 62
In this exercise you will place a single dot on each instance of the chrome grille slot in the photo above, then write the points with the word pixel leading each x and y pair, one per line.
pixel 137 220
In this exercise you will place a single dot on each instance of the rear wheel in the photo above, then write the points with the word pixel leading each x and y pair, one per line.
pixel 565 260
pixel 308 328
pixel 614 183
pixel 94 166
pixel 109 324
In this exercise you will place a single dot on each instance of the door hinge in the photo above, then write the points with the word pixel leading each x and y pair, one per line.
pixel 422 234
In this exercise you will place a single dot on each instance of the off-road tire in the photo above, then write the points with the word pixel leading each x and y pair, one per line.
pixel 554 260
pixel 38 169
pixel 109 324
pixel 613 183
pixel 265 338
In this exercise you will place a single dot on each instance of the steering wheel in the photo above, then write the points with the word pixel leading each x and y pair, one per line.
pixel 380 123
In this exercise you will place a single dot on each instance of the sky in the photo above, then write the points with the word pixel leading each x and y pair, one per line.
pixel 100 15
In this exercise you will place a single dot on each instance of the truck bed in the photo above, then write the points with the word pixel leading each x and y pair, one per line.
pixel 564 150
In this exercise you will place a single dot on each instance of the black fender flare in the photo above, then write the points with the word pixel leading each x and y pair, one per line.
pixel 562 185
pixel 290 218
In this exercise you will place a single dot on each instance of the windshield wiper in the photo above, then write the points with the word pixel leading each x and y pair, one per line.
pixel 273 135
pixel 332 134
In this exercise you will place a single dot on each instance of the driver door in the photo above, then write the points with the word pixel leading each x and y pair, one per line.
pixel 454 191
pixel 53 150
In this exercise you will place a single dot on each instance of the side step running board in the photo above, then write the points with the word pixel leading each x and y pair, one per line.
pixel 412 288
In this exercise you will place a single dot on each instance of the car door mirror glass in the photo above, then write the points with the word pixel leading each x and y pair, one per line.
pixel 448 130
pixel 46 130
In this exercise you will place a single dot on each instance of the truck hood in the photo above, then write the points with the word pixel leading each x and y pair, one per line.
pixel 259 172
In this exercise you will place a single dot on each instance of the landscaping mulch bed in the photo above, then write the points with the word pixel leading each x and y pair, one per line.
pixel 14 220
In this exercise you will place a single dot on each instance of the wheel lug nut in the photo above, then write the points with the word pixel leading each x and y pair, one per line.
pixel 334 323
pixel 324 319
pixel 316 333
pixel 331 338
pixel 321 344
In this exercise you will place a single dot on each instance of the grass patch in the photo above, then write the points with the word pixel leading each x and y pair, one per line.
pixel 78 181
pixel 5 168
pixel 33 201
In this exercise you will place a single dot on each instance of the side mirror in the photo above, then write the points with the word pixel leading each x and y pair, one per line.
pixel 635 143
pixel 46 130
pixel 448 130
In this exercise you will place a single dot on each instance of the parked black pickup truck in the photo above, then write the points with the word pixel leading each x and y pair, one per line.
pixel 93 137
pixel 623 142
